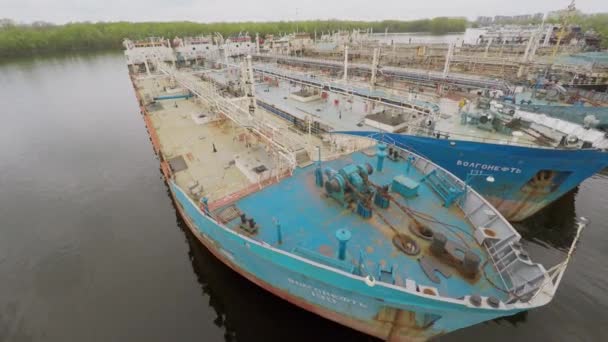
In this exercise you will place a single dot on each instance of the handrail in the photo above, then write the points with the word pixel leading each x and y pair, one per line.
pixel 230 110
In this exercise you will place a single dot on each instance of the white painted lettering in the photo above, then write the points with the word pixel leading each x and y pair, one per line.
pixel 488 167
pixel 325 295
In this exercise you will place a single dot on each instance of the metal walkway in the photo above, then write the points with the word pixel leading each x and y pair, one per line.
pixel 375 95
pixel 399 73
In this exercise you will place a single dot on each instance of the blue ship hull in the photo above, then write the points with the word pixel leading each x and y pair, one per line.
pixel 383 310
pixel 527 179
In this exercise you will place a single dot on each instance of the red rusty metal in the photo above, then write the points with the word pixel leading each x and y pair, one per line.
pixel 152 132
pixel 235 196
pixel 166 169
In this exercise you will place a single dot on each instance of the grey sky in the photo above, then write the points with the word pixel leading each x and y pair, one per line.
pixel 61 11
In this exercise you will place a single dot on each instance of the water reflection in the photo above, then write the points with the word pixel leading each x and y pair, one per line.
pixel 514 320
pixel 554 225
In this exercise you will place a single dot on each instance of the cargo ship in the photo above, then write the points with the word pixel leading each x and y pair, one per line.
pixel 360 230
pixel 535 155
pixel 536 152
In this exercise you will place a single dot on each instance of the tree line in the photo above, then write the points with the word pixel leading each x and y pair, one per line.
pixel 596 22
pixel 37 38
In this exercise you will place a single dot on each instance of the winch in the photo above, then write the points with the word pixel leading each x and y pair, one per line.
pixel 351 184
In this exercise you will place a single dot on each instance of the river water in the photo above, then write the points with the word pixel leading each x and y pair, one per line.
pixel 91 248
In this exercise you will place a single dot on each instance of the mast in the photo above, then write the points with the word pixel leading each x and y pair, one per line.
pixel 251 86
pixel 257 43
pixel 375 58
pixel 448 58
pixel 566 14
pixel 345 62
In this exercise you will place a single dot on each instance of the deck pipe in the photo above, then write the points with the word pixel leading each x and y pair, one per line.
pixel 408 164
pixel 279 234
pixel 205 204
pixel 318 171
pixel 343 236
pixel 381 154
pixel 361 262
pixel 172 97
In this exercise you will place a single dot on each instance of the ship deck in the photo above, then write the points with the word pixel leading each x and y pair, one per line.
pixel 347 113
pixel 219 156
pixel 450 123
pixel 309 220
pixel 354 109
pixel 206 152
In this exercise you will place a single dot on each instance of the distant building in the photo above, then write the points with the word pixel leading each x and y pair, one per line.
pixel 6 22
pixel 513 19
pixel 521 34
pixel 501 18
pixel 485 20
pixel 538 16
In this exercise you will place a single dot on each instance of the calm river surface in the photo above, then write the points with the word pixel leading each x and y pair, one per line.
pixel 91 248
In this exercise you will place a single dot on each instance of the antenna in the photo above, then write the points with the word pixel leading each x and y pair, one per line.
pixel 296 20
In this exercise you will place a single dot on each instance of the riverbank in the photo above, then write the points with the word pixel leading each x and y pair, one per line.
pixel 40 38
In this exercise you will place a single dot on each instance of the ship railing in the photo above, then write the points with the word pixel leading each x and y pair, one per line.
pixel 294 139
pixel 439 134
pixel 345 89
pixel 486 221
pixel 589 94
pixel 401 72
pixel 230 109
pixel 521 278
pixel 307 127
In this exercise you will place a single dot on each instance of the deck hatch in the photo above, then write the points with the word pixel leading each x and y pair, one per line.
pixel 178 164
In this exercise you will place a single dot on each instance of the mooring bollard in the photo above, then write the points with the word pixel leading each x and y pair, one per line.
pixel 381 154
pixel 343 235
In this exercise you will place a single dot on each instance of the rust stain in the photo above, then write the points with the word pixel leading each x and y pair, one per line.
pixel 152 132
pixel 399 280
pixel 326 250
pixel 166 169
pixel 235 196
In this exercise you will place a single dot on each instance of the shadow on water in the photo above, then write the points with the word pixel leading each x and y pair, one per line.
pixel 249 313
pixel 554 225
